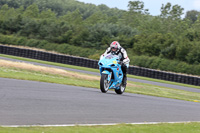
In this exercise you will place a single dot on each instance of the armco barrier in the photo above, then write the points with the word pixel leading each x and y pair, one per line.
pixel 84 62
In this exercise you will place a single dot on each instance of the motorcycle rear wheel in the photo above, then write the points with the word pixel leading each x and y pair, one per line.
pixel 121 90
pixel 104 85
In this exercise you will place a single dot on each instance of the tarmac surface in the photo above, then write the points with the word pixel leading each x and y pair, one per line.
pixel 36 103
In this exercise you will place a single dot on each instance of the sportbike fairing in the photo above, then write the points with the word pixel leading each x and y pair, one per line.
pixel 109 65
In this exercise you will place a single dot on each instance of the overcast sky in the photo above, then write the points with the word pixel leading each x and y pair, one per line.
pixel 153 5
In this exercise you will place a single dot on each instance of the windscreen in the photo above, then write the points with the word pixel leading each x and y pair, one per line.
pixel 110 56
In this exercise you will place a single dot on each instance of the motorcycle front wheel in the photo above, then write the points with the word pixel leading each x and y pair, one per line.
pixel 104 84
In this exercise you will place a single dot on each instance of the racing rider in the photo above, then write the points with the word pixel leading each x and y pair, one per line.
pixel 116 49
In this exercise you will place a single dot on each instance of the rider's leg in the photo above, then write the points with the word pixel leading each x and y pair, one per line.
pixel 124 69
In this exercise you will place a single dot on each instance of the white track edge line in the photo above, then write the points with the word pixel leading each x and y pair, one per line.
pixel 105 124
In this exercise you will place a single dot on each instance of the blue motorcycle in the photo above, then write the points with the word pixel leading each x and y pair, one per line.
pixel 111 74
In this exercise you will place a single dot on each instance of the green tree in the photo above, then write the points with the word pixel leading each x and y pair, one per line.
pixel 32 11
pixel 193 56
pixel 97 17
pixel 192 15
pixel 171 18
pixel 73 17
pixel 47 14
pixel 3 11
pixel 137 7
pixel 182 49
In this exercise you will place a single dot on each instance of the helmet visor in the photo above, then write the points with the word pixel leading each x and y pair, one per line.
pixel 114 49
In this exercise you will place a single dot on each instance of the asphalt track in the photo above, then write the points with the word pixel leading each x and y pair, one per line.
pixel 98 74
pixel 37 103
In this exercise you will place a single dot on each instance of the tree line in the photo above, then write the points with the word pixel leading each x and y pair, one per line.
pixel 68 24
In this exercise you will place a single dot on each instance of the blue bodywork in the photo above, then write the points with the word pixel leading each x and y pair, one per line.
pixel 110 65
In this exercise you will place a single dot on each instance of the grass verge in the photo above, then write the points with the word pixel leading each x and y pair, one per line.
pixel 121 128
pixel 50 63
pixel 45 77
pixel 94 70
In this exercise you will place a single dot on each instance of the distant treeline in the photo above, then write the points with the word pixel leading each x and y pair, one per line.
pixel 76 28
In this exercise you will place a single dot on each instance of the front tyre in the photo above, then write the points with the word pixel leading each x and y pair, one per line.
pixel 121 89
pixel 104 84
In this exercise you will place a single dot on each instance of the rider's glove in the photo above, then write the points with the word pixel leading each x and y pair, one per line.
pixel 120 62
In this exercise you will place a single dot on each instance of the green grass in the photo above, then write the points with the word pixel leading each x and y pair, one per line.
pixel 134 87
pixel 122 128
pixel 94 70
pixel 163 81
pixel 43 77
pixel 50 63
pixel 153 90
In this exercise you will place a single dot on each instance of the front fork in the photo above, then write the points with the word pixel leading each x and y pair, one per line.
pixel 109 75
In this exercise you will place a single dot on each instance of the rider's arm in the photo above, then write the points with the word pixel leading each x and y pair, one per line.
pixel 126 59
pixel 106 52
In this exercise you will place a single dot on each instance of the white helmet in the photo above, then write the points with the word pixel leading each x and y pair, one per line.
pixel 115 44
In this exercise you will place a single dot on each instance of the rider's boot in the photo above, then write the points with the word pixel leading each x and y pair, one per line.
pixel 124 82
pixel 124 69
